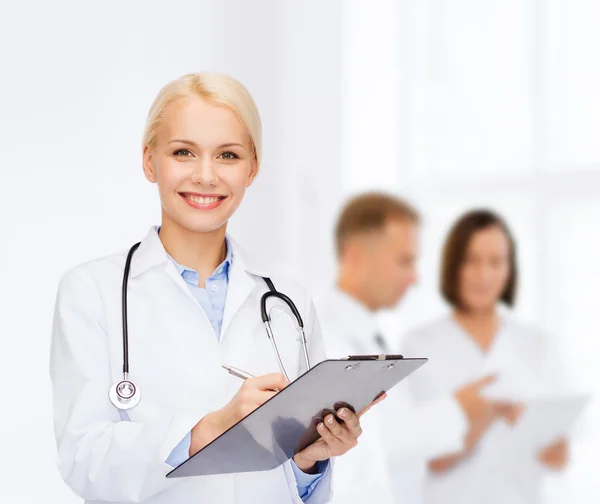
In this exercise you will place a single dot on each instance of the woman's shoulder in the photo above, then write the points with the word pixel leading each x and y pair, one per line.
pixel 289 286
pixel 521 331
pixel 283 280
pixel 97 271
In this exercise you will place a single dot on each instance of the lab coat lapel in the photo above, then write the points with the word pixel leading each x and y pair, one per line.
pixel 177 278
pixel 242 273
pixel 241 285
pixel 150 254
pixel 242 281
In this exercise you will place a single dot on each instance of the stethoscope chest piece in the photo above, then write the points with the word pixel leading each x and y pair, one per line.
pixel 124 394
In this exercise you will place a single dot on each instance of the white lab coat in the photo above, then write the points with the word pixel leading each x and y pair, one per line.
pixel 389 463
pixel 175 358
pixel 518 355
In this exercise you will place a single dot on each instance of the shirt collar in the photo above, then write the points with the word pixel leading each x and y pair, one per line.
pixel 221 269
pixel 151 253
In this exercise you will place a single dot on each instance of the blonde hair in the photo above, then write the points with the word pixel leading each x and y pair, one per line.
pixel 216 87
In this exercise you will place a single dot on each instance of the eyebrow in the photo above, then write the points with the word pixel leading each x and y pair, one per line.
pixel 222 146
pixel 178 140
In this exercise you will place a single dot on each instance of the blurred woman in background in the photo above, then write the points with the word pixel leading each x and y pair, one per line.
pixel 478 340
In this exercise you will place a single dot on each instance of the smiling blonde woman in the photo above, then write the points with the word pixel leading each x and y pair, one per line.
pixel 193 305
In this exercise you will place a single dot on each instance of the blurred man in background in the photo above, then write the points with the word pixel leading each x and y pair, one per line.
pixel 376 241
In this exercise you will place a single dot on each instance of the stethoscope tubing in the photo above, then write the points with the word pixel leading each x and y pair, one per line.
pixel 126 402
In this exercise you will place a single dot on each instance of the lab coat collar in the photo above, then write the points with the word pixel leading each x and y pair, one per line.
pixel 151 253
pixel 243 276
pixel 242 273
pixel 355 312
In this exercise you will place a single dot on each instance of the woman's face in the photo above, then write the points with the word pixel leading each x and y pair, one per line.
pixel 202 162
pixel 485 270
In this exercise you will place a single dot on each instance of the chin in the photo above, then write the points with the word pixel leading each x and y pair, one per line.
pixel 204 227
pixel 480 305
pixel 392 304
pixel 197 225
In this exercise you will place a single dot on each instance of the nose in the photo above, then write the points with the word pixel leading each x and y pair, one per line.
pixel 485 273
pixel 205 173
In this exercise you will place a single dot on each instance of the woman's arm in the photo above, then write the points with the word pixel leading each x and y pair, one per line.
pixel 322 491
pixel 478 413
pixel 99 456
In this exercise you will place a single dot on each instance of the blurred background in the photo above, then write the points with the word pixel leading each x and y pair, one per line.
pixel 449 103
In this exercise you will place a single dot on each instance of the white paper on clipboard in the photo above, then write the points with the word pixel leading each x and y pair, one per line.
pixel 545 420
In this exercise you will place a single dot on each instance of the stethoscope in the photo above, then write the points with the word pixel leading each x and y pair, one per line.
pixel 125 395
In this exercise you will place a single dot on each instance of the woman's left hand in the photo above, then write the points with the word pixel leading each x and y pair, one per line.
pixel 336 438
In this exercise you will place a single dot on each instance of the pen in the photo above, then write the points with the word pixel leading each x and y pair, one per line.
pixel 240 374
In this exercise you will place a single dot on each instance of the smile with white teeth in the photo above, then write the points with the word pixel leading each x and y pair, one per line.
pixel 202 200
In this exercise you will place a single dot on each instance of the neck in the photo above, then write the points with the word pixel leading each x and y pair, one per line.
pixel 481 325
pixel 348 284
pixel 202 252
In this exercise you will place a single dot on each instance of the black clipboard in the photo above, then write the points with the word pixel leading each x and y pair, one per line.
pixel 286 423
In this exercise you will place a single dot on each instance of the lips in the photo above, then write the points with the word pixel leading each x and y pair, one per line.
pixel 203 201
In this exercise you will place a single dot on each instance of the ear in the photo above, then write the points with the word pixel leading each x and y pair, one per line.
pixel 253 172
pixel 353 250
pixel 148 165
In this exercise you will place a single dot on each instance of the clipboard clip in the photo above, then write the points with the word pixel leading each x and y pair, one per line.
pixel 381 357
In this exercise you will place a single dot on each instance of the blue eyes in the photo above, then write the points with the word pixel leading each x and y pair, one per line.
pixel 228 156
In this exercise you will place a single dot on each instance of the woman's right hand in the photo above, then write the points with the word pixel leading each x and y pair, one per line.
pixel 481 413
pixel 252 393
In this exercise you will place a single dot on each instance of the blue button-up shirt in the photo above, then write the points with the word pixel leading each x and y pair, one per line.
pixel 211 299
pixel 212 296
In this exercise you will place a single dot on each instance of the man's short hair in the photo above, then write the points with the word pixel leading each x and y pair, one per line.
pixel 370 212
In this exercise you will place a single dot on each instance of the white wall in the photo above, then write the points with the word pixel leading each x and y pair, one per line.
pixel 497 106
pixel 77 81
pixel 448 102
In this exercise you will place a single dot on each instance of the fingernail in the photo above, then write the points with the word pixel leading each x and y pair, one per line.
pixel 320 426
pixel 343 412
pixel 330 419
